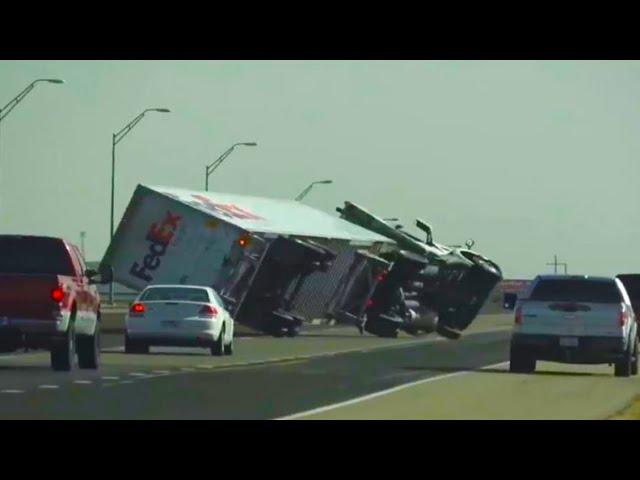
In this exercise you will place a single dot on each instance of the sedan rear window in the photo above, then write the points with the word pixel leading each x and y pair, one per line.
pixel 159 294
pixel 590 291
pixel 34 255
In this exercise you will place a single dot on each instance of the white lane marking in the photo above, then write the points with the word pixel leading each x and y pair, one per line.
pixel 83 382
pixel 9 390
pixel 110 378
pixel 49 387
pixel 387 391
pixel 161 372
pixel 127 381
pixel 204 366
pixel 138 374
pixel 186 369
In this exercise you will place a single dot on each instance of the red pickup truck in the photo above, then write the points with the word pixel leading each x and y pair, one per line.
pixel 48 300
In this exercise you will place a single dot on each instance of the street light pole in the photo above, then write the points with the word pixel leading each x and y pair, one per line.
pixel 4 111
pixel 115 139
pixel 210 168
pixel 308 189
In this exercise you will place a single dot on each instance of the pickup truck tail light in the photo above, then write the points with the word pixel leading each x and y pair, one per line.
pixel 57 294
pixel 136 310
pixel 208 311
pixel 519 315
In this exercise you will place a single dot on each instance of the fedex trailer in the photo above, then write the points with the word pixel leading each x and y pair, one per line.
pixel 262 254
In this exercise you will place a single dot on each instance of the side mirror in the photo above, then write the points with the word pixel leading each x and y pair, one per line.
pixel 509 301
pixel 104 276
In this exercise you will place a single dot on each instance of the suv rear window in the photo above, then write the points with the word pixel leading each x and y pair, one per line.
pixel 33 255
pixel 159 294
pixel 632 285
pixel 593 291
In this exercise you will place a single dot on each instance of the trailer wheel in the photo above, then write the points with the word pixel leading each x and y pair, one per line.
pixel 293 332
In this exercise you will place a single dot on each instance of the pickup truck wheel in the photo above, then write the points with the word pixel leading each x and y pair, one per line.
pixel 623 367
pixel 63 352
pixel 520 362
pixel 217 349
pixel 89 350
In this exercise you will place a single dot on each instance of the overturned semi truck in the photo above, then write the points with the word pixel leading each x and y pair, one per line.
pixel 275 262
pixel 424 286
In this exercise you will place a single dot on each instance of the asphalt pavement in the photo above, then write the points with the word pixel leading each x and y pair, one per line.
pixel 266 378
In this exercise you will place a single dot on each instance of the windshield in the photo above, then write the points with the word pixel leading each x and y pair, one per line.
pixel 184 294
pixel 593 291
pixel 33 255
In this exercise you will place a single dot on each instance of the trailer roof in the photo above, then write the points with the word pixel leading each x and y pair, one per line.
pixel 270 215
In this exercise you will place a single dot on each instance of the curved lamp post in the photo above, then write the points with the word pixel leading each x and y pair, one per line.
pixel 220 159
pixel 116 138
pixel 308 189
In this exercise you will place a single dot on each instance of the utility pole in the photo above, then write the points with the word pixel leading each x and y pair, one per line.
pixel 82 237
pixel 556 263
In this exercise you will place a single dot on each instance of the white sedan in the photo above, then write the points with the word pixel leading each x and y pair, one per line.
pixel 178 315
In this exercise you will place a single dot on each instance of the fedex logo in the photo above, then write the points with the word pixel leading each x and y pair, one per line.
pixel 227 210
pixel 159 235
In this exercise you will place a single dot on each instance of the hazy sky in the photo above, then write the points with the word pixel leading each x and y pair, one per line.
pixel 528 158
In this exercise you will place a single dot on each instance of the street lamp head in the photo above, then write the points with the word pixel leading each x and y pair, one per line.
pixel 49 80
pixel 324 182
pixel 161 110
pixel 249 144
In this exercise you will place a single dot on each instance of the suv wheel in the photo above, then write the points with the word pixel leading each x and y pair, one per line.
pixel 624 367
pixel 520 362
pixel 63 351
pixel 634 359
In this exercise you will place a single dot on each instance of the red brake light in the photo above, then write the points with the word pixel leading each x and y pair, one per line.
pixel 519 315
pixel 369 303
pixel 381 275
pixel 208 311
pixel 137 309
pixel 57 294
pixel 622 319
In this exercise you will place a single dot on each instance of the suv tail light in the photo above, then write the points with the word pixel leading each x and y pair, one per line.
pixel 57 294
pixel 519 315
pixel 208 311
pixel 381 275
pixel 136 310
pixel 622 318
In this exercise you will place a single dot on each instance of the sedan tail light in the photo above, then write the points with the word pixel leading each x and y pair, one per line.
pixel 208 311
pixel 136 310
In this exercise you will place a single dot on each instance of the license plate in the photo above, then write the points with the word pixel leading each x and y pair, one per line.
pixel 568 342
pixel 170 323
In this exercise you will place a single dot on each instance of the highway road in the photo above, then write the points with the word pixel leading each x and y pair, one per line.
pixel 266 378
pixel 329 373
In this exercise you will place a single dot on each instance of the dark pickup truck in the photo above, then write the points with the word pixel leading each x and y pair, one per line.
pixel 48 300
